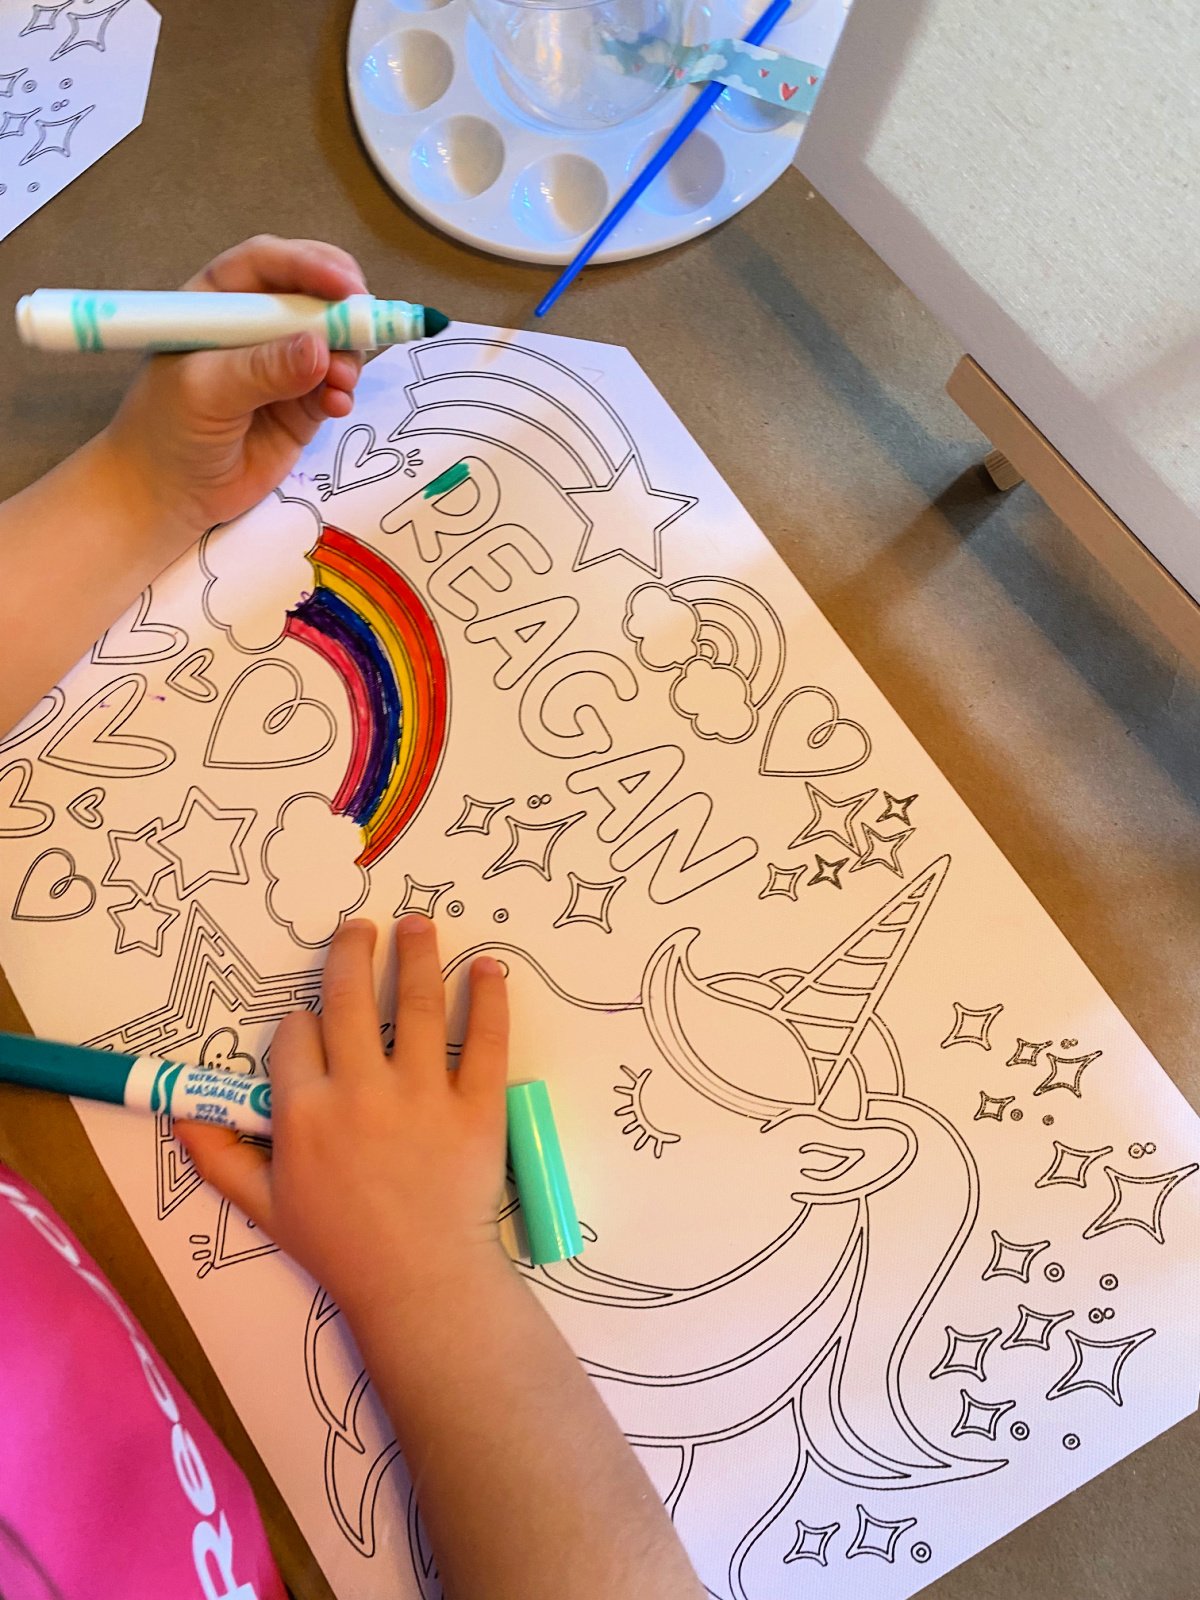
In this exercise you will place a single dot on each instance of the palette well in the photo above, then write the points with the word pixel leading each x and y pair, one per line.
pixel 455 147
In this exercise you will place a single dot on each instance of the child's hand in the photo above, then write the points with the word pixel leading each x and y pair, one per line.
pixel 386 1171
pixel 202 437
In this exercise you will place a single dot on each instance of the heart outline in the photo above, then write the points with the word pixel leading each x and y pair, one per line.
pixel 84 809
pixel 135 683
pixel 188 679
pixel 55 890
pixel 176 638
pixel 337 483
pixel 18 803
pixel 273 723
pixel 817 737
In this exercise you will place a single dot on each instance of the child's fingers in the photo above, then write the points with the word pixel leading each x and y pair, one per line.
pixel 483 1064
pixel 269 265
pixel 297 1053
pixel 420 1046
pixel 240 1171
pixel 345 369
pixel 349 1015
pixel 224 385
pixel 336 402
pixel 300 418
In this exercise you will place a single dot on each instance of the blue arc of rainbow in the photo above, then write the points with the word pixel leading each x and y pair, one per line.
pixel 369 624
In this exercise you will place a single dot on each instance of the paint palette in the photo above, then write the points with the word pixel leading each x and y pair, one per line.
pixel 454 145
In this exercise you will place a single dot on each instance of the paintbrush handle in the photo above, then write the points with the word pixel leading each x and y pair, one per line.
pixel 687 124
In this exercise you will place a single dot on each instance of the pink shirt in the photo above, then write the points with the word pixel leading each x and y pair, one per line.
pixel 111 1482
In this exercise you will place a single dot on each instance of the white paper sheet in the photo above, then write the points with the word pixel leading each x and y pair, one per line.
pixel 894 1223
pixel 73 81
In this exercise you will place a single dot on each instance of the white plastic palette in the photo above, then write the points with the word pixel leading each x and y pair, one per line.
pixel 453 144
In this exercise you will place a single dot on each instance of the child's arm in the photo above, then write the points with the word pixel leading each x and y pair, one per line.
pixel 385 1183
pixel 199 439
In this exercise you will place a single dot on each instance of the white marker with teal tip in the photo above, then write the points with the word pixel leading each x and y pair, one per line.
pixel 147 1083
pixel 157 321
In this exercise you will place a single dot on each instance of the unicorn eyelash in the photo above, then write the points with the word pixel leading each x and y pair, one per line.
pixel 633 1113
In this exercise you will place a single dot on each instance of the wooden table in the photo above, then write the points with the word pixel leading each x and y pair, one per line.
pixel 1071 730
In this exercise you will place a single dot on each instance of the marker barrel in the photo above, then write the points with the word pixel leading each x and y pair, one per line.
pixel 150 320
pixel 147 1083
pixel 541 1175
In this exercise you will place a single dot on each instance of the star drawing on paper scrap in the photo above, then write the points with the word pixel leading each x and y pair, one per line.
pixel 421 897
pixel 876 1536
pixel 827 872
pixel 1097 1364
pixel 136 859
pixel 87 28
pixel 1137 1202
pixel 971 1027
pixel 896 810
pixel 589 902
pixel 1070 1166
pixel 477 816
pixel 141 925
pixel 832 819
pixel 783 881
pixel 1034 1328
pixel 9 81
pixel 812 1543
pixel 531 844
pixel 60 146
pixel 627 518
pixel 966 1352
pixel 882 849
pixel 1058 1078
pixel 206 843
pixel 1012 1260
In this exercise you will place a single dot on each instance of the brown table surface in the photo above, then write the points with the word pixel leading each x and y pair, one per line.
pixel 814 382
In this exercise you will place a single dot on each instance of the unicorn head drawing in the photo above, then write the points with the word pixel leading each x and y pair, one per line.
pixel 769 1216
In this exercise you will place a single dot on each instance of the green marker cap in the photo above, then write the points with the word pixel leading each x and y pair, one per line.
pixel 541 1175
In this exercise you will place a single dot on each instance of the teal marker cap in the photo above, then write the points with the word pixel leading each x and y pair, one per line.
pixel 541 1175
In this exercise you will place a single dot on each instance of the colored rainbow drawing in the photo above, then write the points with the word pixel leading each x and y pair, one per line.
pixel 368 623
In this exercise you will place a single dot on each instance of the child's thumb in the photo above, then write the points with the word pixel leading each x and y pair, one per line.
pixel 242 380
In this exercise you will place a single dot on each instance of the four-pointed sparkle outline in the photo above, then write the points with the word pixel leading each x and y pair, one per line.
pixel 966 1352
pixel 531 844
pixel 1115 1215
pixel 1097 1364
pixel 876 1536
pixel 961 1031
pixel 60 147
pixel 812 1543
pixel 1011 1260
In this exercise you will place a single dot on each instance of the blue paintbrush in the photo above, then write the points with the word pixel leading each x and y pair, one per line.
pixel 696 113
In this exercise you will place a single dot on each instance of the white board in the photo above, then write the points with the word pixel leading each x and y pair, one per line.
pixel 894 1228
pixel 1028 171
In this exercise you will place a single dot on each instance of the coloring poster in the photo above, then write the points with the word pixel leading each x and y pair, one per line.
pixel 73 81
pixel 893 1224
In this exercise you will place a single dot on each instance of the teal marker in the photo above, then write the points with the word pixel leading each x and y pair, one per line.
pixel 193 1094
pixel 156 321
pixel 541 1175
